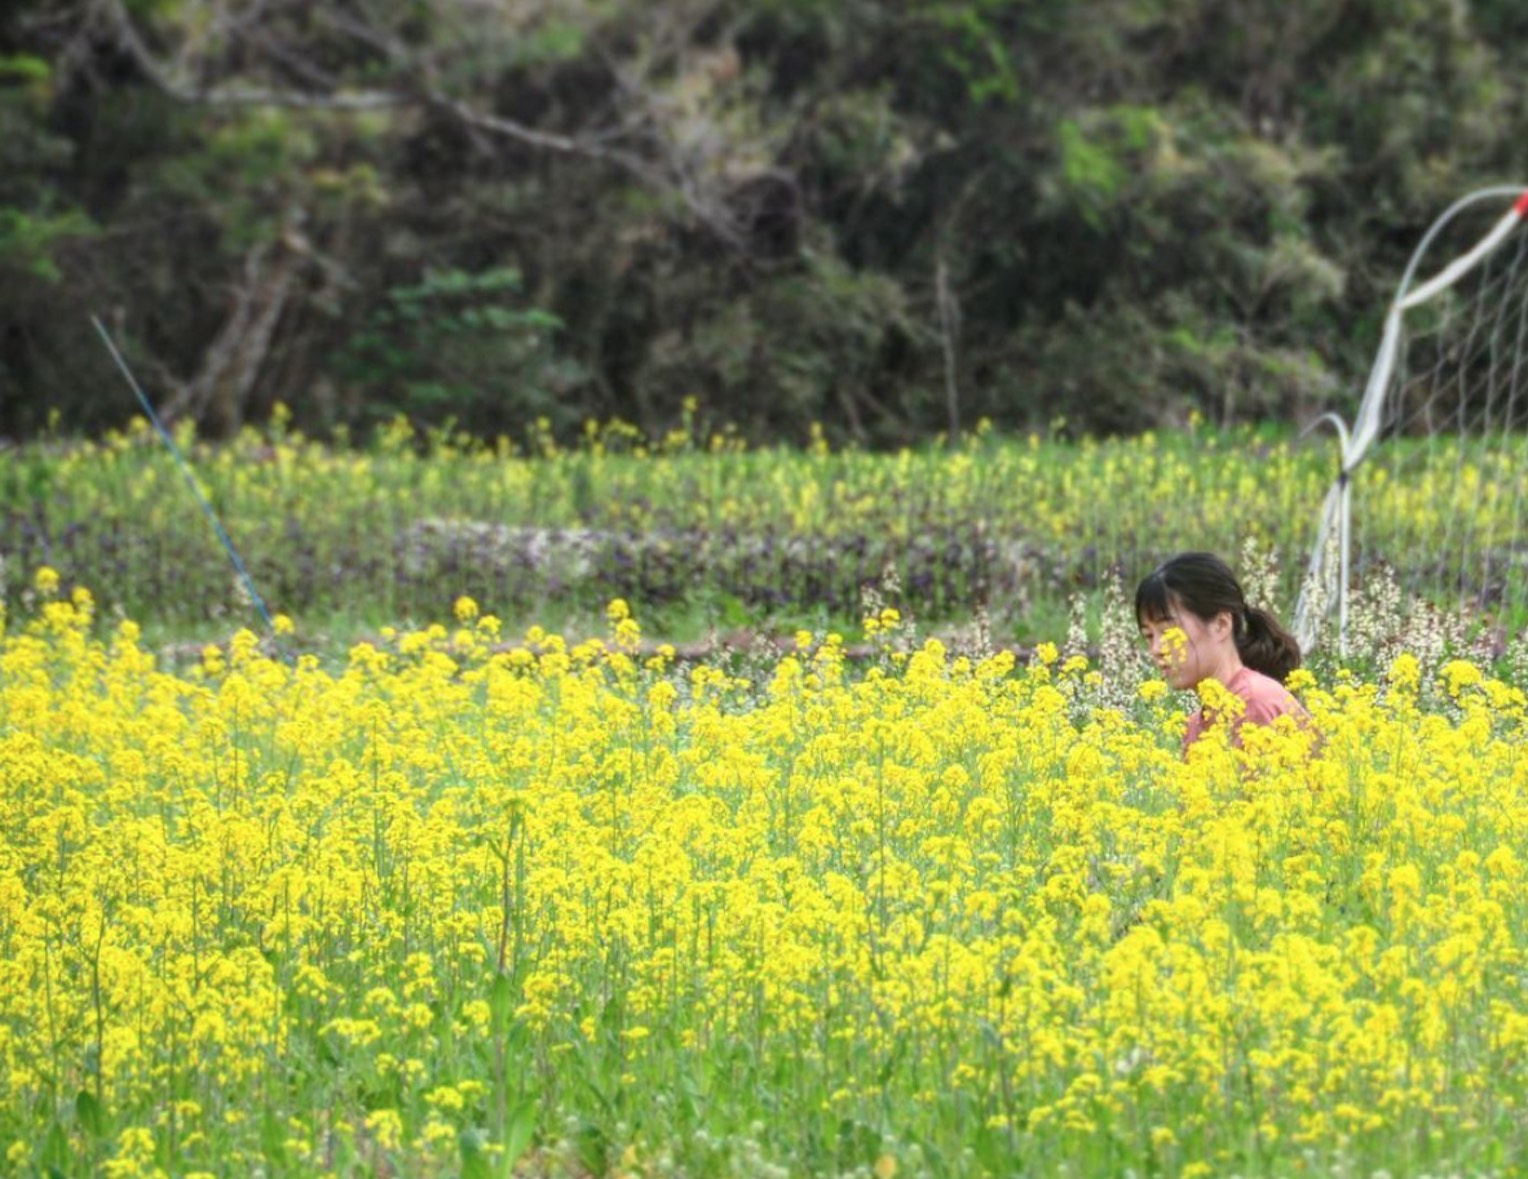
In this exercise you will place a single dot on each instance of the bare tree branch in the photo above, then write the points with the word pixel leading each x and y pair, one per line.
pixel 682 149
pixel 132 43
pixel 232 363
pixel 949 342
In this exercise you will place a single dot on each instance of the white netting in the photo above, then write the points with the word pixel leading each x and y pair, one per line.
pixel 1437 457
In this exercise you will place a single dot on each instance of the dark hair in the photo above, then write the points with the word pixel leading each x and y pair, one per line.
pixel 1204 585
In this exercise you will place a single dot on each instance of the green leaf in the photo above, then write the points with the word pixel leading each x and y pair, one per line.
pixel 991 1149
pixel 501 1002
pixel 475 1160
pixel 88 1110
pixel 273 1139
pixel 55 1147
pixel 554 41
pixel 1088 167
pixel 593 1148
pixel 518 1132
pixel 25 67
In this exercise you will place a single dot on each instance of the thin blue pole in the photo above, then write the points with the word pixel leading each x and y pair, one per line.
pixel 185 469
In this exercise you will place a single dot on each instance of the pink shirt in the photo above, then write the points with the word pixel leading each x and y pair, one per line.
pixel 1266 701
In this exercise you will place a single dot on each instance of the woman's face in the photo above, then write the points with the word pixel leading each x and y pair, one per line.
pixel 1185 648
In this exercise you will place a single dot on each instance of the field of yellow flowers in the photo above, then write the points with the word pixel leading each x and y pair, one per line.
pixel 487 904
pixel 700 529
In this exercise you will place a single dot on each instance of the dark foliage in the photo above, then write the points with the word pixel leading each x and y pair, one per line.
pixel 888 218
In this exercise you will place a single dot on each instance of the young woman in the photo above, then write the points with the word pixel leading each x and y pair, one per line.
pixel 1198 626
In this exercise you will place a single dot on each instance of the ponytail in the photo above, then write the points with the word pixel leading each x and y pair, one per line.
pixel 1264 644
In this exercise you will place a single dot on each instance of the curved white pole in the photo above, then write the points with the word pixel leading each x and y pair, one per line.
pixel 1345 533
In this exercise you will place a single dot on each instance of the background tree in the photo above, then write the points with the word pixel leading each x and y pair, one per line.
pixel 888 217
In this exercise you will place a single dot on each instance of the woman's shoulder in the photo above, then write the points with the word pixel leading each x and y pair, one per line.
pixel 1265 697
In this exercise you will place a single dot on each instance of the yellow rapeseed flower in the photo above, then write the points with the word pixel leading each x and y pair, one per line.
pixel 465 898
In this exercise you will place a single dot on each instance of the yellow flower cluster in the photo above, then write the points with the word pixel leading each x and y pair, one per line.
pixel 462 898
pixel 1174 646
